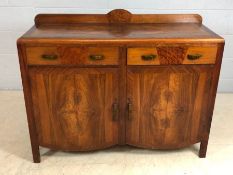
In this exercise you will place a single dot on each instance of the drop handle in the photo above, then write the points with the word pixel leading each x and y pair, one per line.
pixel 49 56
pixel 130 111
pixel 148 57
pixel 194 56
pixel 115 110
pixel 96 57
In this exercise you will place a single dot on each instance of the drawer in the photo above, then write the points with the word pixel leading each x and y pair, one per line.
pixel 171 55
pixel 72 55
pixel 201 55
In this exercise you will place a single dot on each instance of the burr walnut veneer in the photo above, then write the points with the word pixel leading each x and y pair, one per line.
pixel 92 81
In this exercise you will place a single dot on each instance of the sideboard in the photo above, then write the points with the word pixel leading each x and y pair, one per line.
pixel 92 81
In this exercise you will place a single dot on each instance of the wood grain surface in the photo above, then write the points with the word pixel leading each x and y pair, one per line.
pixel 73 55
pixel 73 107
pixel 166 55
pixel 76 104
pixel 168 105
pixel 115 16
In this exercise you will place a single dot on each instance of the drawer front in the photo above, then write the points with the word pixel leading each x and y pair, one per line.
pixel 72 55
pixel 171 55
pixel 142 56
pixel 201 55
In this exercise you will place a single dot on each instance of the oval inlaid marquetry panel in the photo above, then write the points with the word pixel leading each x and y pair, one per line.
pixel 119 16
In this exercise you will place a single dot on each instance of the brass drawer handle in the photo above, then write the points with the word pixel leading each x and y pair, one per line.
pixel 96 57
pixel 148 57
pixel 115 110
pixel 194 56
pixel 130 111
pixel 49 57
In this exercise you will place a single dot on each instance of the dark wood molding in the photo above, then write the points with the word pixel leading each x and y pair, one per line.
pixel 117 16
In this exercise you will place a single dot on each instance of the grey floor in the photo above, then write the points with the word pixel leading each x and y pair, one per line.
pixel 15 151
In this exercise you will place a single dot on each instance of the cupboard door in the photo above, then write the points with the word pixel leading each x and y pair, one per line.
pixel 166 106
pixel 75 109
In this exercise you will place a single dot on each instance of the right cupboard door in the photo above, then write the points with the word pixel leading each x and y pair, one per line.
pixel 167 105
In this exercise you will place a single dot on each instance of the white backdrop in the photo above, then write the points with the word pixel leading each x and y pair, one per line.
pixel 16 16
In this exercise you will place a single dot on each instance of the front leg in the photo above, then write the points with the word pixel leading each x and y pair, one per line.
pixel 203 148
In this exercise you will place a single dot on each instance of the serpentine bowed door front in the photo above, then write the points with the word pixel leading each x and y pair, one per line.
pixel 97 80
pixel 73 107
pixel 167 105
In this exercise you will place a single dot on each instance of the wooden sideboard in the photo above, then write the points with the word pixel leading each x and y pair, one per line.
pixel 92 81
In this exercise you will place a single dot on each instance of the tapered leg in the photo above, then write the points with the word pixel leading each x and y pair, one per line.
pixel 28 103
pixel 33 137
pixel 213 90
pixel 203 149
pixel 34 145
pixel 36 155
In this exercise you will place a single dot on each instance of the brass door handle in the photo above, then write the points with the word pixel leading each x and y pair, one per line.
pixel 96 57
pixel 49 56
pixel 115 110
pixel 130 111
pixel 194 56
pixel 148 57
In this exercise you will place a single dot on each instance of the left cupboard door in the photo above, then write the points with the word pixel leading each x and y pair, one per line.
pixel 75 109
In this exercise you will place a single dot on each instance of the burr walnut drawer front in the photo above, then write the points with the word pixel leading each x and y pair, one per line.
pixel 171 55
pixel 72 55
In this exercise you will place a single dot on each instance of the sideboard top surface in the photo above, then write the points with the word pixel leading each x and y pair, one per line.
pixel 120 25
